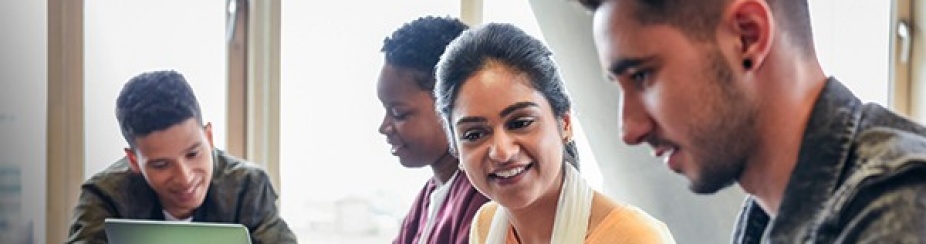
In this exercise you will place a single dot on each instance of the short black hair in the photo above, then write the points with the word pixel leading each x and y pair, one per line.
pixel 418 45
pixel 500 43
pixel 153 101
pixel 699 18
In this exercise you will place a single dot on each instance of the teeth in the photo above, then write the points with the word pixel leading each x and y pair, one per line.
pixel 665 155
pixel 509 173
pixel 188 190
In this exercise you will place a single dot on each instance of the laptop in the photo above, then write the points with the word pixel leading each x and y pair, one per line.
pixel 131 231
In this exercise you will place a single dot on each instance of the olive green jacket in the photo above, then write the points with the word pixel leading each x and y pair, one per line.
pixel 240 192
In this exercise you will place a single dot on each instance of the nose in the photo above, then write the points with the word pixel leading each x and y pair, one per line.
pixel 184 173
pixel 636 124
pixel 386 126
pixel 503 148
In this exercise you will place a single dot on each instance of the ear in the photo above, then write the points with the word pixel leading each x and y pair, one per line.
pixel 208 130
pixel 133 160
pixel 751 21
pixel 566 127
pixel 452 149
pixel 451 142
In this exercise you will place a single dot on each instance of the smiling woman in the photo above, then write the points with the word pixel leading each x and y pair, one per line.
pixel 507 114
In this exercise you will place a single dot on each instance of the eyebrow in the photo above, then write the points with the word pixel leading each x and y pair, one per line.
pixel 390 104
pixel 515 107
pixel 621 65
pixel 197 144
pixel 505 112
pixel 191 148
pixel 471 120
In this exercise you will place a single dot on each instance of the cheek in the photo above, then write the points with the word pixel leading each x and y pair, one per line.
pixel 158 179
pixel 411 130
pixel 471 160
pixel 552 150
pixel 670 102
pixel 205 165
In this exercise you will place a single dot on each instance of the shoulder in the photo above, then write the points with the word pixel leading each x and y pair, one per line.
pixel 482 222
pixel 886 141
pixel 238 170
pixel 118 177
pixel 883 157
pixel 886 160
pixel 613 222
pixel 881 210
pixel 887 146
pixel 884 190
pixel 466 192
pixel 116 191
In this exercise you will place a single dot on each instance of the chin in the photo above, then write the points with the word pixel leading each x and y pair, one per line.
pixel 411 163
pixel 512 201
pixel 196 204
pixel 711 187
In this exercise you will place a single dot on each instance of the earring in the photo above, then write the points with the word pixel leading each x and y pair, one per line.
pixel 747 64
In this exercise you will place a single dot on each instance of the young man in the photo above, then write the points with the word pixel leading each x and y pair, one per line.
pixel 730 91
pixel 171 170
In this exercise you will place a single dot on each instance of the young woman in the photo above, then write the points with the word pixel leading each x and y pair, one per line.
pixel 507 112
pixel 445 207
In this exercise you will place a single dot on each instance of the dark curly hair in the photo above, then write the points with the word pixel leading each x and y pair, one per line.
pixel 418 45
pixel 154 101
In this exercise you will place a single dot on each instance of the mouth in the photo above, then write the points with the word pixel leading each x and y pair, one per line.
pixel 395 149
pixel 187 193
pixel 668 155
pixel 396 145
pixel 662 151
pixel 510 175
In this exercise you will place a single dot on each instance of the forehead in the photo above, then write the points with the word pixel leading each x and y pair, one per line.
pixel 173 140
pixel 620 35
pixel 615 25
pixel 494 88
pixel 397 83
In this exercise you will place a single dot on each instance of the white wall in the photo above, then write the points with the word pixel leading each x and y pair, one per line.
pixel 23 86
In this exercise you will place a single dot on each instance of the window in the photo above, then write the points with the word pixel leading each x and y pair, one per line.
pixel 23 116
pixel 340 184
pixel 124 39
pixel 852 44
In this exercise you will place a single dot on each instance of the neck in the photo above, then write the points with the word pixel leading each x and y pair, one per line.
pixel 179 214
pixel 444 167
pixel 534 223
pixel 785 102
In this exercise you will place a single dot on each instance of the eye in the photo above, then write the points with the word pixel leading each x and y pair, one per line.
pixel 520 123
pixel 192 154
pixel 398 114
pixel 157 164
pixel 640 78
pixel 473 135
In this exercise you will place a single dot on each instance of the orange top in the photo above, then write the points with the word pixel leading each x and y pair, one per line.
pixel 610 222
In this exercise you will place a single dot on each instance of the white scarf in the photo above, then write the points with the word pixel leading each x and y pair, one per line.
pixel 572 212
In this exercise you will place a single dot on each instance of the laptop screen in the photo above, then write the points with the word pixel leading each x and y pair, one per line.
pixel 124 231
